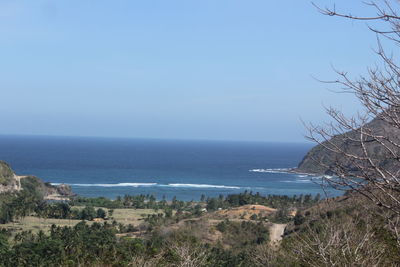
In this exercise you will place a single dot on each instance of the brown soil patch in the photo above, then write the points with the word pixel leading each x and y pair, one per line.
pixel 246 211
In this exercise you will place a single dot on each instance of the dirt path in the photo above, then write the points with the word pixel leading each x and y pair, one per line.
pixel 275 232
pixel 18 179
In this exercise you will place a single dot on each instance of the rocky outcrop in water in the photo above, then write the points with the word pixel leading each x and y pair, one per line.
pixel 58 192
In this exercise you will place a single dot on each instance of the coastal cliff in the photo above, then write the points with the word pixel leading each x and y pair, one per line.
pixel 320 160
pixel 10 182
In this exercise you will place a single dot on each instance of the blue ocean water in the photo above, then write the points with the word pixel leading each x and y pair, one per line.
pixel 186 169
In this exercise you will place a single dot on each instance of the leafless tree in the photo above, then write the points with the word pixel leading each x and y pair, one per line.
pixel 338 244
pixel 142 261
pixel 265 255
pixel 189 255
pixel 366 147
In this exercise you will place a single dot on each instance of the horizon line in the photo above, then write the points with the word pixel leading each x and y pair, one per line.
pixel 156 138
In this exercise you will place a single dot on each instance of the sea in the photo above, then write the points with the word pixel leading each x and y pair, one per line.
pixel 186 169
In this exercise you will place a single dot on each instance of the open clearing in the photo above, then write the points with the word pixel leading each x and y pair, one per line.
pixel 246 211
pixel 131 216
pixel 34 224
pixel 276 232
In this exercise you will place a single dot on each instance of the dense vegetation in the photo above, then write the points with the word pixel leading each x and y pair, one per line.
pixel 212 203
pixel 340 230
pixel 6 173
pixel 99 243
pixel 179 233
pixel 273 201
pixel 21 203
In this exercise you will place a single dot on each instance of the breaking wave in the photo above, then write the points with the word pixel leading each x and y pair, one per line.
pixel 298 181
pixel 302 176
pixel 277 170
pixel 113 185
pixel 203 186
pixel 155 184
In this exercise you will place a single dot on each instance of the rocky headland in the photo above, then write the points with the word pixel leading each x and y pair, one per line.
pixel 321 160
pixel 11 182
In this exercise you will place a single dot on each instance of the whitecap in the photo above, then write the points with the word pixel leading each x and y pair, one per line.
pixel 117 185
pixel 276 170
pixel 297 181
pixel 203 186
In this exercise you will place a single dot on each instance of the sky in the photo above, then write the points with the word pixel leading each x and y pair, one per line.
pixel 223 70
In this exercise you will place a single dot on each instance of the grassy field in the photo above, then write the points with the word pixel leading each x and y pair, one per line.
pixel 34 224
pixel 131 216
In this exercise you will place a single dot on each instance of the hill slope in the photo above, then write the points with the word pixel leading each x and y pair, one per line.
pixel 320 160
pixel 10 182
pixel 8 179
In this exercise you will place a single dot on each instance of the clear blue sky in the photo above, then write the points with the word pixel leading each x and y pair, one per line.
pixel 226 69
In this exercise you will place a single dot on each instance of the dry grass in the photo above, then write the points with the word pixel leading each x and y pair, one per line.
pixel 131 216
pixel 246 211
pixel 34 224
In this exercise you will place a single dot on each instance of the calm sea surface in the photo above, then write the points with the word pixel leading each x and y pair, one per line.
pixel 185 169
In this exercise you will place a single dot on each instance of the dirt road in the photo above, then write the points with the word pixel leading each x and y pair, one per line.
pixel 276 232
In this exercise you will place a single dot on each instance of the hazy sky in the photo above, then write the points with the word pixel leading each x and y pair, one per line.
pixel 226 69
